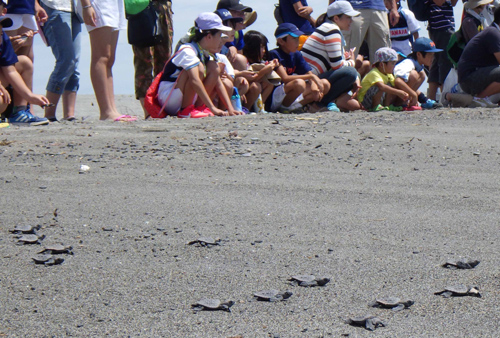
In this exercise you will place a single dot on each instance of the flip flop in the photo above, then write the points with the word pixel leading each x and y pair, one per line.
pixel 125 118
pixel 379 108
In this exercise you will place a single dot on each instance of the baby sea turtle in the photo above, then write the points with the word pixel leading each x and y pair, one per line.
pixel 30 239
pixel 393 303
pixel 272 295
pixel 461 264
pixel 369 322
pixel 459 290
pixel 25 229
pixel 57 249
pixel 47 259
pixel 205 242
pixel 212 305
pixel 308 280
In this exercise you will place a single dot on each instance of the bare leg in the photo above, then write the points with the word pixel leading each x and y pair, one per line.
pixel 25 68
pixel 433 86
pixel 253 93
pixel 346 103
pixel 69 103
pixel 493 88
pixel 103 46
pixel 50 112
pixel 293 89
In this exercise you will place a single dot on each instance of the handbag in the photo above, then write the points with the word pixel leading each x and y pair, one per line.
pixel 143 28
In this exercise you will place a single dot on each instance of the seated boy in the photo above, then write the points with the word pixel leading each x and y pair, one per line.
pixel 410 72
pixel 377 87
pixel 294 71
pixel 192 72
pixel 17 72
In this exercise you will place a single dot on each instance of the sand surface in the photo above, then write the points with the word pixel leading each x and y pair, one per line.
pixel 375 201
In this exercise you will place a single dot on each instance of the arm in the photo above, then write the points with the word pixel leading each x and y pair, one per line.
pixel 497 56
pixel 454 2
pixel 304 12
pixel 223 95
pixel 393 13
pixel 390 90
pixel 15 79
pixel 334 51
pixel 89 16
pixel 401 84
pixel 40 14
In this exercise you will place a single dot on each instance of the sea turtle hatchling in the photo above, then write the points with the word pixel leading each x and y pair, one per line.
pixel 47 259
pixel 29 239
pixel 369 322
pixel 394 303
pixel 461 264
pixel 205 242
pixel 57 249
pixel 212 305
pixel 272 295
pixel 308 280
pixel 459 290
pixel 25 229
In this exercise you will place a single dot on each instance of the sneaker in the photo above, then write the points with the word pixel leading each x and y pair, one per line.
pixel 431 104
pixel 294 108
pixel 191 112
pixel 333 107
pixel 482 103
pixel 488 102
pixel 24 117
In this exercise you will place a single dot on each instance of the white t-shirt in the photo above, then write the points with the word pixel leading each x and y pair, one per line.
pixel 413 26
pixel 221 58
pixel 60 5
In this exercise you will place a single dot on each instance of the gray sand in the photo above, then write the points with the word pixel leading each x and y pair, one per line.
pixel 374 201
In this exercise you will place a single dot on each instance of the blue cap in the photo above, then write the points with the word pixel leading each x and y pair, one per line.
pixel 285 29
pixel 425 45
pixel 225 15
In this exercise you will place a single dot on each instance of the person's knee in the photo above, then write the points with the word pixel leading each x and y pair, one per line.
pixel 24 64
pixel 213 69
pixel 298 85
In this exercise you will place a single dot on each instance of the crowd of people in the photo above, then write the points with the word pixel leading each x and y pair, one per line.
pixel 363 54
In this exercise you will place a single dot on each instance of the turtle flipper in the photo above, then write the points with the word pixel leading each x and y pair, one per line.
pixel 399 307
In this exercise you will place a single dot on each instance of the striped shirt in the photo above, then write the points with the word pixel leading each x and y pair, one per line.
pixel 441 17
pixel 324 49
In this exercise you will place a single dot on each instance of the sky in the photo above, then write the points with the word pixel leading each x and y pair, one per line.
pixel 185 12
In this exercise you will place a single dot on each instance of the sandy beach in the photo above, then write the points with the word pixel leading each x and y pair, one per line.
pixel 377 202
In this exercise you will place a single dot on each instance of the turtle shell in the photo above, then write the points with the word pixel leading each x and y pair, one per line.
pixel 389 301
pixel 25 229
pixel 208 303
pixel 459 289
pixel 41 259
pixel 304 278
pixel 57 248
pixel 267 294
pixel 30 239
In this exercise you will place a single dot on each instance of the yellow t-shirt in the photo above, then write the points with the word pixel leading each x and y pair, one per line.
pixel 371 78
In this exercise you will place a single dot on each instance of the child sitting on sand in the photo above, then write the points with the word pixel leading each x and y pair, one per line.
pixel 410 73
pixel 192 76
pixel 377 87
pixel 294 71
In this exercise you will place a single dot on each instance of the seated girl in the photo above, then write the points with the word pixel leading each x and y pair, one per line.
pixel 192 77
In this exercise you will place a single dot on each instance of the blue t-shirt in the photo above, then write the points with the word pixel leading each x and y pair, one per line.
pixel 7 55
pixel 290 16
pixel 21 7
pixel 368 4
pixel 294 63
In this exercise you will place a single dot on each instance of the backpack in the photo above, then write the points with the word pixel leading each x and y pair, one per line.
pixel 420 9
pixel 455 47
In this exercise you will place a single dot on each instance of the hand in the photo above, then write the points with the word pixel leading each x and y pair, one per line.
pixel 393 17
pixel 413 100
pixel 38 100
pixel 218 112
pixel 318 83
pixel 19 41
pixel 89 16
pixel 4 95
pixel 40 13
pixel 403 95
pixel 232 54
pixel 305 12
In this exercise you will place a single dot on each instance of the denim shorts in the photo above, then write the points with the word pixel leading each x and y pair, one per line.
pixel 63 33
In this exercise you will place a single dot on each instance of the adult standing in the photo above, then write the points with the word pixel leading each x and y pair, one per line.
pixel 149 61
pixel 372 25
pixel 62 31
pixel 299 13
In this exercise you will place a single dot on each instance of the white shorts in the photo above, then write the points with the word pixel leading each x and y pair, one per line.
pixel 110 13
pixel 174 101
pixel 21 20
pixel 278 97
